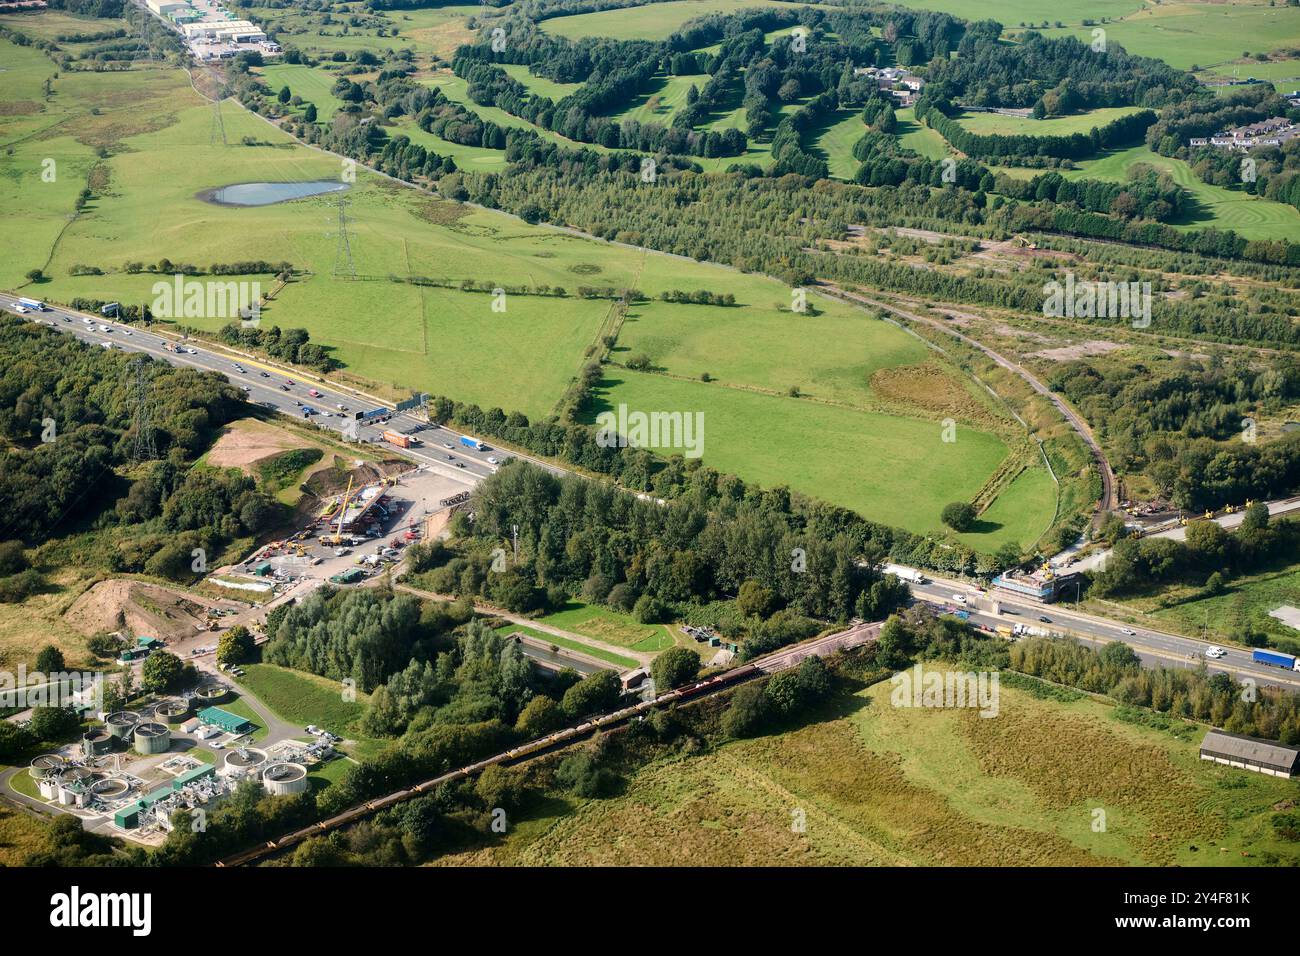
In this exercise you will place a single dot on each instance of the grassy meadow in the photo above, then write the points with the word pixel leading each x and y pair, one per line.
pixel 882 785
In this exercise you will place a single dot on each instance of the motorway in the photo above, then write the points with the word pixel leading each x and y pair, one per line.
pixel 284 390
pixel 997 607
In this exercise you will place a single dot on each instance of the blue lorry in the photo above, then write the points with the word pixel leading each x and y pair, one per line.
pixel 1275 659
pixel 472 443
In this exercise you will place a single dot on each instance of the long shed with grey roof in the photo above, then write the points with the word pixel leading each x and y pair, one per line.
pixel 1251 753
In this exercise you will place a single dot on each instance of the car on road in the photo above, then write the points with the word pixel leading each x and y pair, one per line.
pixel 448 444
pixel 264 375
pixel 451 457
pixel 193 351
pixel 959 598
pixel 126 331
pixel 90 322
pixel 284 388
pixel 1215 651
pixel 239 368
pixel 460 464
pixel 20 309
pixel 296 402
pixel 245 388
pixel 341 407
pixel 1045 619
pixel 491 460
pixel 1129 631
pixel 105 328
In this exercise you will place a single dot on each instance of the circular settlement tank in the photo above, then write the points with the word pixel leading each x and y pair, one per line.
pixel 45 765
pixel 283 779
pixel 111 788
pixel 174 711
pixel 152 738
pixel 211 694
pixel 122 723
pixel 243 759
pixel 96 742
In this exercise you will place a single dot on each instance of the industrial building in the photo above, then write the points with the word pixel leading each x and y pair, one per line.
pixel 131 816
pixel 1042 584
pixel 1250 753
pixel 230 723
pixel 283 779
pixel 152 738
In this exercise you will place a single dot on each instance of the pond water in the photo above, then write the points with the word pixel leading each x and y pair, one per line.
pixel 264 194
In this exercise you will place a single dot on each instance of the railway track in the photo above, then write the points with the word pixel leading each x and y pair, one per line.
pixel 780 660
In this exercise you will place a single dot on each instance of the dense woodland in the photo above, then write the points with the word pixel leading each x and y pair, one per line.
pixel 67 418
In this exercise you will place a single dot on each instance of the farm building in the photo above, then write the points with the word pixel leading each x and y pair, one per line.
pixel 1250 753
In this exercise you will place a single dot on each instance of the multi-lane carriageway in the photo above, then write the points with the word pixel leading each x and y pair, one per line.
pixel 992 608
pixel 263 384
pixel 282 390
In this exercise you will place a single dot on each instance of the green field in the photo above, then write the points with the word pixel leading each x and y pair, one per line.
pixel 986 124
pixel 609 657
pixel 1282 72
pixel 1021 513
pixel 539 85
pixel 881 785
pixel 918 138
pixel 834 142
pixel 609 626
pixel 896 469
pixel 300 698
pixel 1251 216
pixel 782 349
pixel 655 21
pixel 658 104
pixel 1190 34
pixel 1011 13
pixel 311 83
pixel 457 90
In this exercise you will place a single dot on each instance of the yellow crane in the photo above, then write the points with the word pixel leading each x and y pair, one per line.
pixel 337 537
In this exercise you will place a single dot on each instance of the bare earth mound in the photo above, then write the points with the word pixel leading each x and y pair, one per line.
pixel 148 610
pixel 249 441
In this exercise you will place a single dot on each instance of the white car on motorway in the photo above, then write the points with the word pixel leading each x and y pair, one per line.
pixel 1129 631
pixel 1215 651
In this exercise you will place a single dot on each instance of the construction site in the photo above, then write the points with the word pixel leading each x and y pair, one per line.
pixel 351 536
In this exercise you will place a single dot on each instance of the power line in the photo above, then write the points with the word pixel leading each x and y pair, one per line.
pixel 142 419
pixel 344 267
pixel 218 130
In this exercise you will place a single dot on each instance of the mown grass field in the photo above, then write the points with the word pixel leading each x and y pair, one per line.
pixel 881 785
pixel 834 142
pixel 312 83
pixel 1011 13
pixel 877 464
pixel 1021 513
pixel 655 21
pixel 918 138
pixel 996 123
pixel 660 103
pixel 539 85
pixel 610 626
pixel 1252 216
pixel 609 657
pixel 1193 34
pixel 302 698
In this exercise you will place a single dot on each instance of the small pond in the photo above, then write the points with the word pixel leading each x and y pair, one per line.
pixel 264 194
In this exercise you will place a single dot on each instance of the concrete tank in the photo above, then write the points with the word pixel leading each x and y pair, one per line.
pixel 96 742
pixel 241 761
pixel 283 779
pixel 46 765
pixel 173 711
pixel 211 694
pixel 122 723
pixel 152 738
